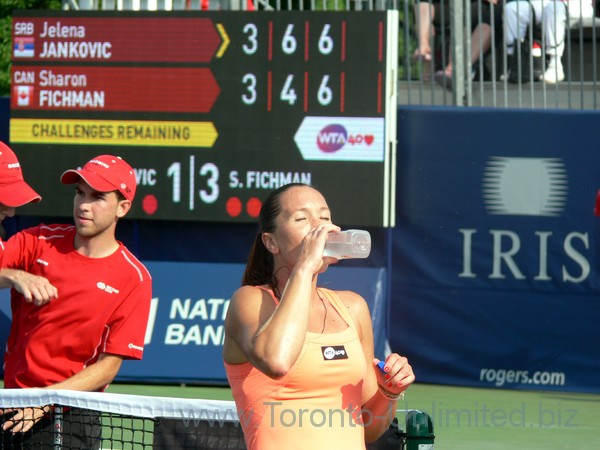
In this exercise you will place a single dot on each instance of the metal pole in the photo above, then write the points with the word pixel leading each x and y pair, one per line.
pixel 457 48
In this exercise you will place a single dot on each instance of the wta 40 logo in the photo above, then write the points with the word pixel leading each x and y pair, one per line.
pixel 341 138
pixel 333 137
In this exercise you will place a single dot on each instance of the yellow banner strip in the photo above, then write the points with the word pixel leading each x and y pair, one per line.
pixel 113 132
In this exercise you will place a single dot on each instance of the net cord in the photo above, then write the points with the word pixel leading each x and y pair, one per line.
pixel 124 404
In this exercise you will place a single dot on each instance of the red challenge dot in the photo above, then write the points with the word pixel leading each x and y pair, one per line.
pixel 253 207
pixel 234 206
pixel 149 204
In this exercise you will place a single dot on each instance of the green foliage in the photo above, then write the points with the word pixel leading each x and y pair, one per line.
pixel 5 46
pixel 6 10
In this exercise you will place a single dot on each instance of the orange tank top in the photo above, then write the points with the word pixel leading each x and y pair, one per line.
pixel 316 405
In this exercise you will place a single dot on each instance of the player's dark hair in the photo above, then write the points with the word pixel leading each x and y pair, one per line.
pixel 260 266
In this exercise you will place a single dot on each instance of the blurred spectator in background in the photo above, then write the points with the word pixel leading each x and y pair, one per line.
pixel 429 16
pixel 486 26
pixel 433 17
pixel 552 16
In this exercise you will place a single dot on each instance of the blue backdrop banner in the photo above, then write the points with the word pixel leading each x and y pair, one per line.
pixel 495 254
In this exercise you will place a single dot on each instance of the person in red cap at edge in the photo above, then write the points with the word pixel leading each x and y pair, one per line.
pixel 76 338
pixel 14 191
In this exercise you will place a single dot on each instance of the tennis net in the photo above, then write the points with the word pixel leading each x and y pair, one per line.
pixel 93 420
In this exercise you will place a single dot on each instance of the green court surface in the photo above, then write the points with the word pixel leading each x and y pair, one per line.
pixel 470 418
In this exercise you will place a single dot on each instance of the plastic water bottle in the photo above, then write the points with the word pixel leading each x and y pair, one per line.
pixel 348 244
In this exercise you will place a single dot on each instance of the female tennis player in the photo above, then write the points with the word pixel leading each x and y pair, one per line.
pixel 299 357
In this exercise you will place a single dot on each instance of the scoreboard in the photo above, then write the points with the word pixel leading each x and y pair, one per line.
pixel 212 109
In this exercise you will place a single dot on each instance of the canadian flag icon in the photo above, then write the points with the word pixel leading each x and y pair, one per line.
pixel 24 95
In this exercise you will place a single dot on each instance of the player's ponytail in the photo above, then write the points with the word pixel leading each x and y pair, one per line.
pixel 259 269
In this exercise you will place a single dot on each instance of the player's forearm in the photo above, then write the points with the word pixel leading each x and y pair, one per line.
pixel 35 289
pixel 381 411
pixel 7 277
pixel 94 377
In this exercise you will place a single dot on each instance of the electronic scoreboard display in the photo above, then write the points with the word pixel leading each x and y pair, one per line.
pixel 212 109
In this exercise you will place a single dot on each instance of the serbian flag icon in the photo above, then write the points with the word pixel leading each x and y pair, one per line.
pixel 24 47
pixel 23 95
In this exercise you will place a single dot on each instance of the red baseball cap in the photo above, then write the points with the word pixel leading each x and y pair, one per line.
pixel 13 189
pixel 105 173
